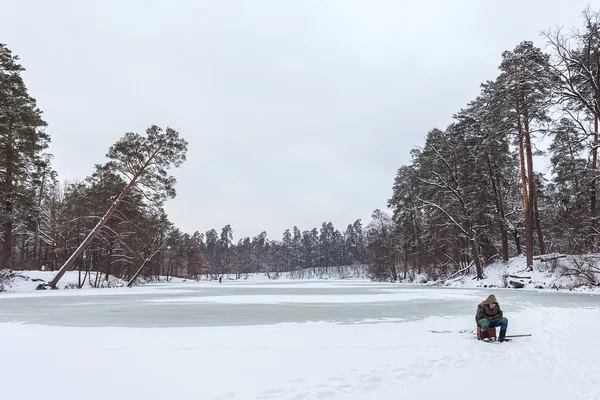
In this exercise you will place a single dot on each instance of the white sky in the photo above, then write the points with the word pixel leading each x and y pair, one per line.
pixel 296 112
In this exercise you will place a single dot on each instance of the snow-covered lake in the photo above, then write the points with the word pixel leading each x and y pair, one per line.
pixel 250 303
pixel 294 340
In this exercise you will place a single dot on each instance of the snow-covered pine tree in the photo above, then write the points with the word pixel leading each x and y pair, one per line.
pixel 382 247
pixel 525 85
pixel 225 243
pixel 296 256
pixel 570 188
pixel 407 213
pixel 286 244
pixel 482 120
pixel 22 142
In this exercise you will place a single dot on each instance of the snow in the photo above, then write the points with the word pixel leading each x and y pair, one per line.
pixel 27 281
pixel 372 359
pixel 545 275
pixel 120 291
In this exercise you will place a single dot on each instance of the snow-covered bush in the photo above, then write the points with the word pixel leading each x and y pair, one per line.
pixel 5 275
pixel 582 270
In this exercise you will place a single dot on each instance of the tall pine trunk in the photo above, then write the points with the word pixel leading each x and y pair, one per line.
pixel 593 183
pixel 495 180
pixel 518 240
pixel 526 197
pixel 538 225
pixel 7 247
pixel 418 240
pixel 8 236
pixel 533 209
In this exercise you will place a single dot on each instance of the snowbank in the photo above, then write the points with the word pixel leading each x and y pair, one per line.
pixel 27 281
pixel 555 273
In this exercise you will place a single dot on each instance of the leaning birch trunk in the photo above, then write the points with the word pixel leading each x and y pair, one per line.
pixel 146 261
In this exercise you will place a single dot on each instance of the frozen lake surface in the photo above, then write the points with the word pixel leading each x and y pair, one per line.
pixel 250 303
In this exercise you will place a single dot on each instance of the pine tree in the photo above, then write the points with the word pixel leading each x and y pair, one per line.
pixel 225 242
pixel 22 141
pixel 296 255
pixel 383 247
pixel 524 84
pixel 482 121
pixel 212 252
pixel 406 209
pixel 287 250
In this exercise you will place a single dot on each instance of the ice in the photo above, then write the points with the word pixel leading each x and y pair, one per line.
pixel 421 346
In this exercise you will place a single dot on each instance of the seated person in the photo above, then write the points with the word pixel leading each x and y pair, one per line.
pixel 489 315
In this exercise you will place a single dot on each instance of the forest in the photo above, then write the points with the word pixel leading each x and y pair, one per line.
pixel 468 197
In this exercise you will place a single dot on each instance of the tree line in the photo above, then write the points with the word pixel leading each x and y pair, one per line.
pixel 470 195
pixel 113 222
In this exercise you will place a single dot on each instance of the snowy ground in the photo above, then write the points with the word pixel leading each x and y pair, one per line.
pixel 545 274
pixel 27 281
pixel 395 351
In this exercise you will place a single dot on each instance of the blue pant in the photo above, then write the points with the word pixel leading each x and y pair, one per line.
pixel 485 324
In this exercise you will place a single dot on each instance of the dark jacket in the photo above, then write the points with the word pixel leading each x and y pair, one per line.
pixel 484 310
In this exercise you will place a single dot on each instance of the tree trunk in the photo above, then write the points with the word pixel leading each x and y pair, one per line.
pixel 475 251
pixel 134 277
pixel 419 242
pixel 526 203
pixel 393 272
pixel 37 242
pixel 109 263
pixel 505 255
pixel 8 237
pixel 538 225
pixel 495 179
pixel 7 248
pixel 593 183
pixel 533 213
pixel 23 252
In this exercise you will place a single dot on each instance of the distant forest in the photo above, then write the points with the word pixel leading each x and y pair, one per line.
pixel 469 196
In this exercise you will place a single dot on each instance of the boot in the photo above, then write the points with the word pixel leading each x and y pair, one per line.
pixel 502 338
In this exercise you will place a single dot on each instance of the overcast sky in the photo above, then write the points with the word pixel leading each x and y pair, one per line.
pixel 296 112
